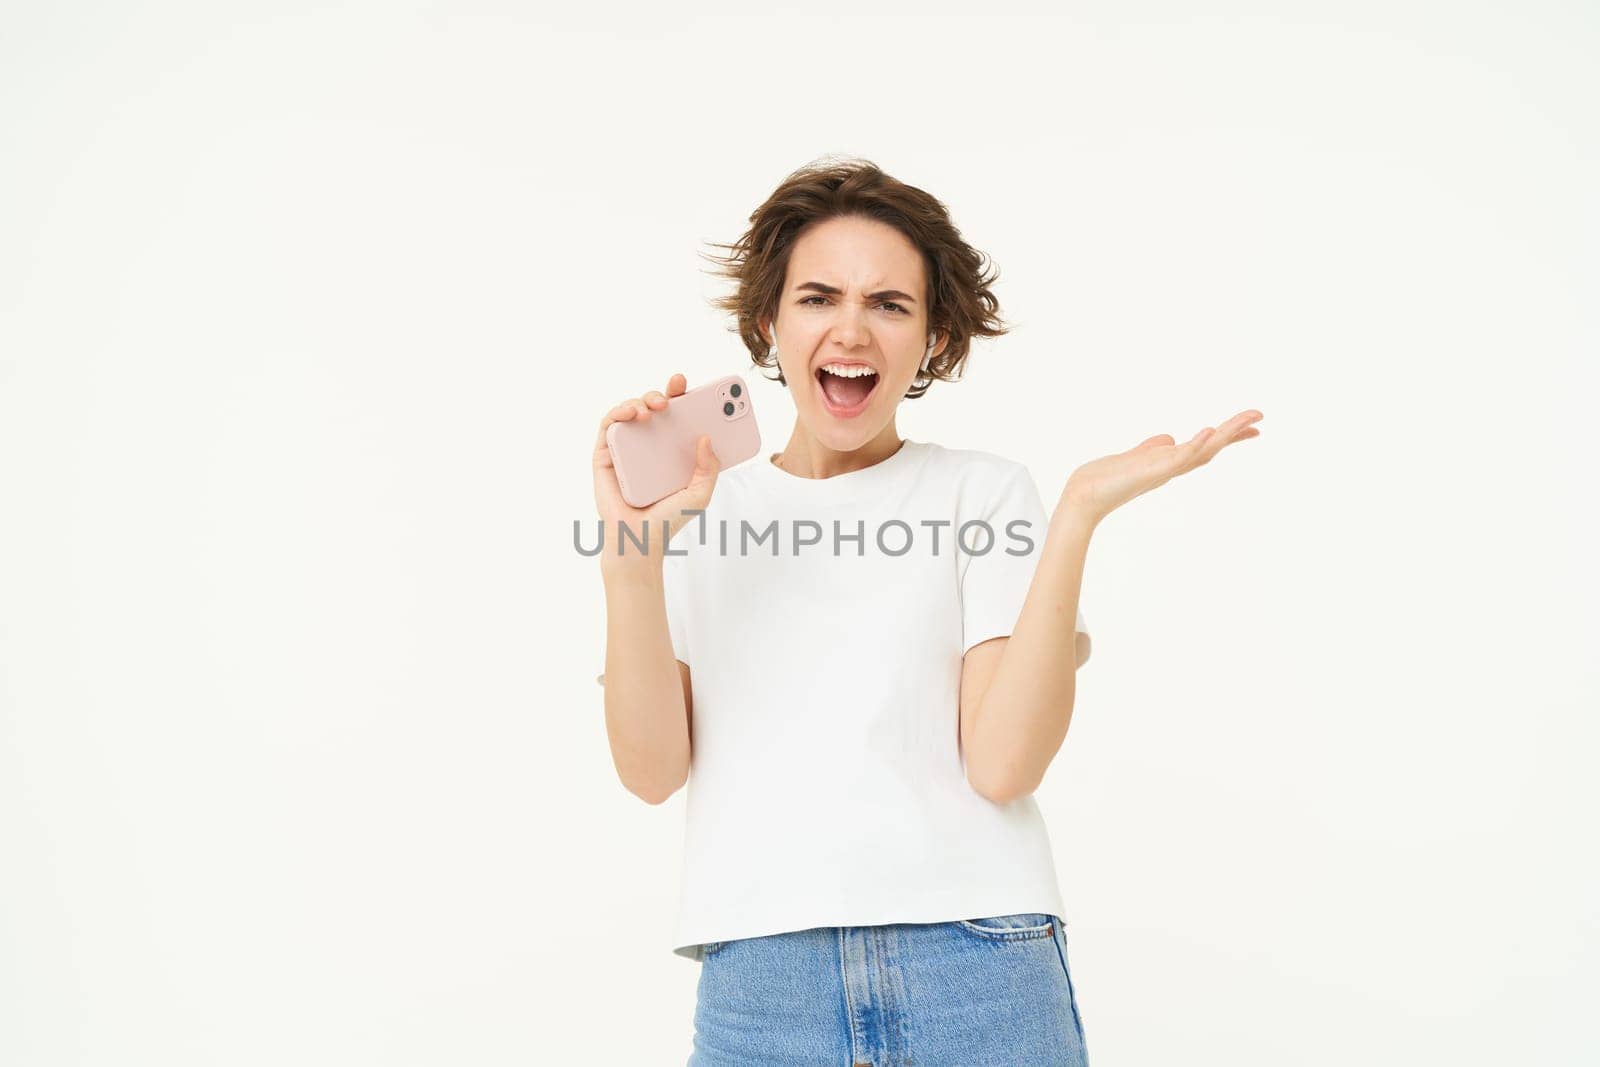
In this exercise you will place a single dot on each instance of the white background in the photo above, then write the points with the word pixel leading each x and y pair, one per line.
pixel 307 322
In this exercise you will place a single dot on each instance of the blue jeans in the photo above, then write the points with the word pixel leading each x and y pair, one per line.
pixel 968 993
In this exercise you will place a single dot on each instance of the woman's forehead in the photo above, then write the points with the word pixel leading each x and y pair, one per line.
pixel 855 254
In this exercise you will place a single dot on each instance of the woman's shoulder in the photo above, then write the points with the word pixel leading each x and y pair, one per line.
pixel 977 462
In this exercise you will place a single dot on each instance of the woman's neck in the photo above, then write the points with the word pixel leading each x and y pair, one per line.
pixel 806 457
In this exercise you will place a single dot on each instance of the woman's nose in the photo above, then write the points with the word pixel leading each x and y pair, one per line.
pixel 850 327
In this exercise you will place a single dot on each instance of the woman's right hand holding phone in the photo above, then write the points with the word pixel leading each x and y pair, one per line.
pixel 608 494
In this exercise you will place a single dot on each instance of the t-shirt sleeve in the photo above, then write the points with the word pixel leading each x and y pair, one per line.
pixel 994 584
pixel 674 584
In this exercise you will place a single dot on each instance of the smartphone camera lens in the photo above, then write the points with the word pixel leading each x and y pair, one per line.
pixel 735 390
pixel 727 409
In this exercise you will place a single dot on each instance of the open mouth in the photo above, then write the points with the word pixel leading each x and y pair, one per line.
pixel 846 387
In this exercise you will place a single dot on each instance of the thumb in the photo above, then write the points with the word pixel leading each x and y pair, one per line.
pixel 706 462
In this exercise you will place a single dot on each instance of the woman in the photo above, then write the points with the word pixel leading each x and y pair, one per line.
pixel 869 696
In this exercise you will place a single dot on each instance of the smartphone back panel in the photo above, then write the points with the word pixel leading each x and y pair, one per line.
pixel 654 459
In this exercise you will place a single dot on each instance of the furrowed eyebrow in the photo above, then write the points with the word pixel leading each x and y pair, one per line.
pixel 884 294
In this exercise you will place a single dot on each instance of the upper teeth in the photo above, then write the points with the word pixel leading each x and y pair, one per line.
pixel 848 371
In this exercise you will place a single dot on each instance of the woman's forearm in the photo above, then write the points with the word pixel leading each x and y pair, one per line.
pixel 646 716
pixel 1023 716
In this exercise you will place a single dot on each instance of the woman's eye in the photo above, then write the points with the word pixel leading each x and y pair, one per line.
pixel 887 304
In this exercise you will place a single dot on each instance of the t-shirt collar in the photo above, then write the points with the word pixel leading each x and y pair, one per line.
pixel 849 483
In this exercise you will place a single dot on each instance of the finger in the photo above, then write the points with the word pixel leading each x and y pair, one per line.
pixel 706 460
pixel 1245 429
pixel 655 399
pixel 1186 454
pixel 621 413
pixel 676 385
pixel 1240 421
pixel 707 465
pixel 1235 429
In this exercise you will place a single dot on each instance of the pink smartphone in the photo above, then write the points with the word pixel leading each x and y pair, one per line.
pixel 654 459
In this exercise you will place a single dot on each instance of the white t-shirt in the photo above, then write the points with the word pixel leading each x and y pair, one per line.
pixel 827 785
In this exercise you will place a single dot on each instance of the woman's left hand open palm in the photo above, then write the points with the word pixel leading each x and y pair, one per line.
pixel 1100 486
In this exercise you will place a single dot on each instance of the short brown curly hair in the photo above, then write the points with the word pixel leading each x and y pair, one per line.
pixel 961 305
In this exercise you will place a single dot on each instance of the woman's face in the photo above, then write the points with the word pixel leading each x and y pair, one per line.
pixel 853 299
